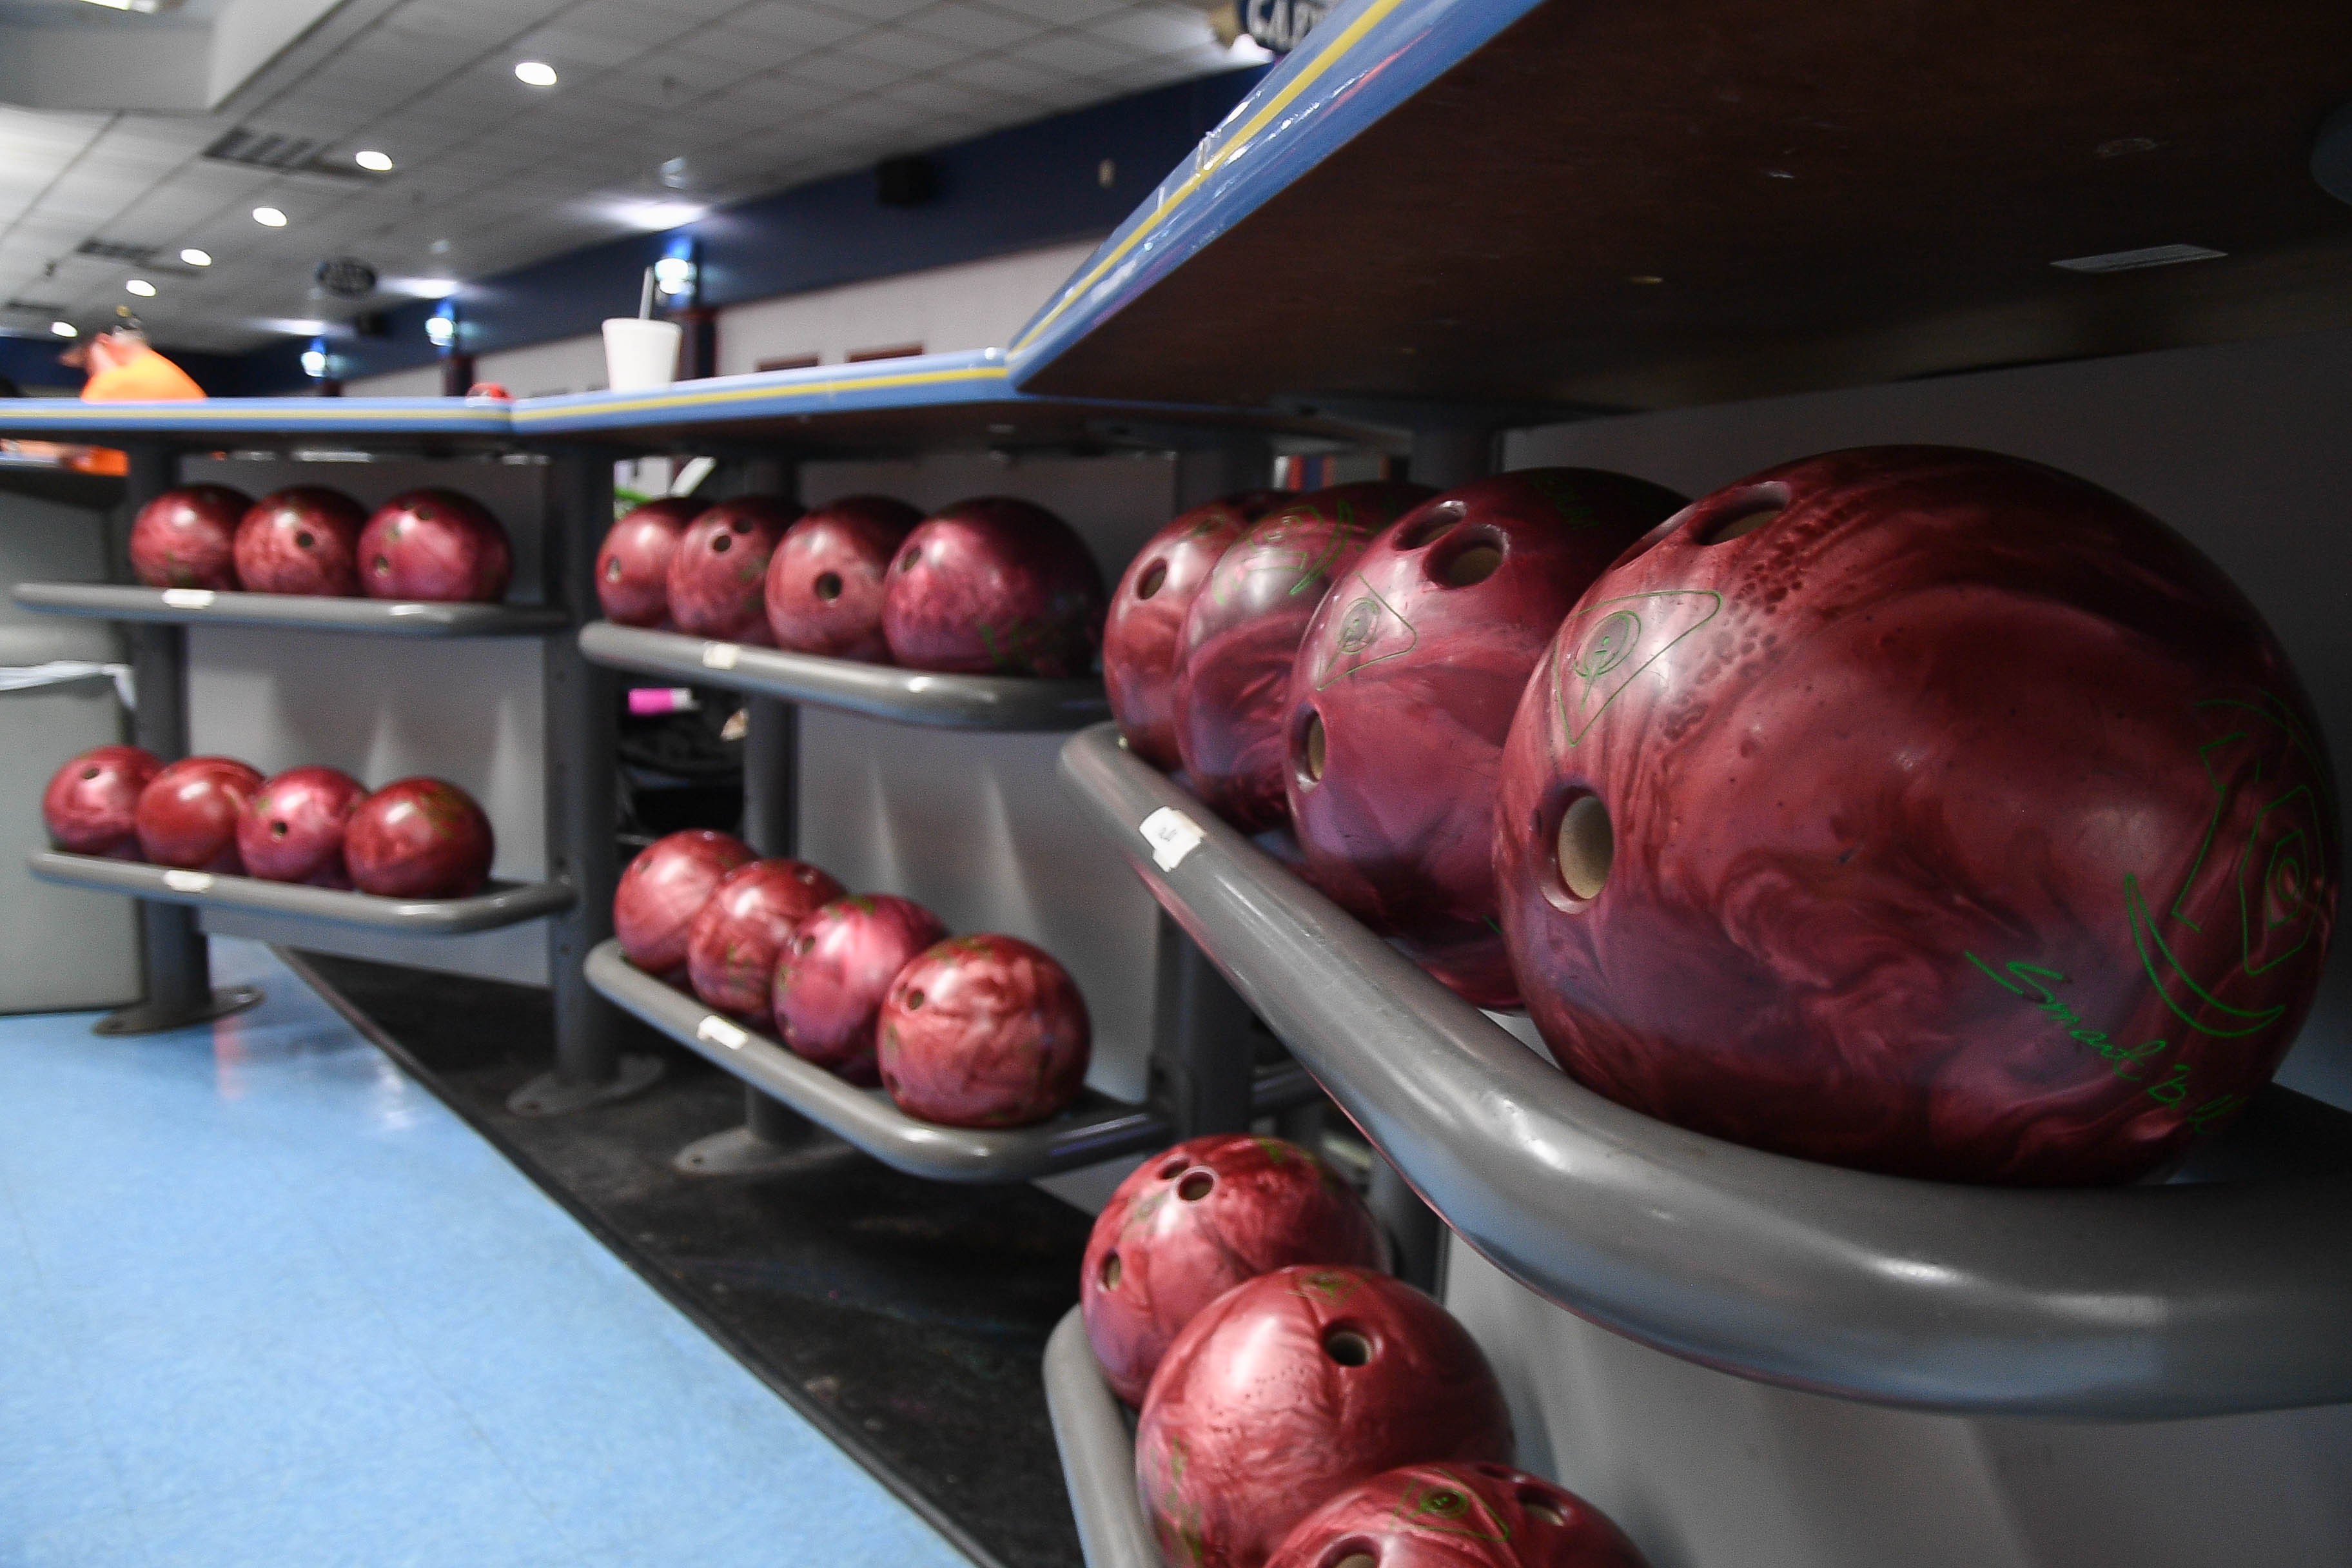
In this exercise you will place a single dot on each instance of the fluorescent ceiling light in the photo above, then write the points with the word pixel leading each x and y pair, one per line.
pixel 195 257
pixel 1246 51
pixel 140 287
pixel 65 329
pixel 654 217
pixel 146 7
pixel 422 287
pixel 294 327
pixel 270 217
pixel 379 163
pixel 535 73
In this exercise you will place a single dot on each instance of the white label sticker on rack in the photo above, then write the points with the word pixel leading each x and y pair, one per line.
pixel 720 654
pixel 189 598
pixel 1172 835
pixel 719 1032
pixel 187 881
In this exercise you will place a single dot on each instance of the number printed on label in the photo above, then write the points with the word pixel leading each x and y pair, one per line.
pixel 719 1032
pixel 188 598
pixel 720 654
pixel 187 881
pixel 1172 835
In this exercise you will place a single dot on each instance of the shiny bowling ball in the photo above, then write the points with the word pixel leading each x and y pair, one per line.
pixel 825 581
pixel 1404 689
pixel 1234 659
pixel 438 546
pixel 995 586
pixel 303 539
pixel 419 838
pixel 187 538
pixel 1925 811
pixel 1147 618
pixel 1191 1223
pixel 633 564
pixel 664 888
pixel 834 973
pixel 735 939
pixel 1456 1516
pixel 91 803
pixel 292 829
pixel 186 815
pixel 984 1031
pixel 1286 1390
pixel 717 578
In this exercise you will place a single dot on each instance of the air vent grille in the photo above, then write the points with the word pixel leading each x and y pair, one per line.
pixel 115 250
pixel 289 154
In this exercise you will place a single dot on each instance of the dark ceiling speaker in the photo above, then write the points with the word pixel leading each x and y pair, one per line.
pixel 345 276
pixel 907 182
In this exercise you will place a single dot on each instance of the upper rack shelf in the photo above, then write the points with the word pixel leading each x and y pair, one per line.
pixel 2112 1303
pixel 431 424
pixel 1541 203
pixel 499 904
pixel 204 606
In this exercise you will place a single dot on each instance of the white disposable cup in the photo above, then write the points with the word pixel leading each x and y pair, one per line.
pixel 639 355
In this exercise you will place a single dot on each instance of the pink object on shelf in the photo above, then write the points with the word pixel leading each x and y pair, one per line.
pixel 652 701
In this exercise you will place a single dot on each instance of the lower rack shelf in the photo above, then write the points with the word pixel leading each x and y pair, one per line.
pixel 2153 1301
pixel 207 606
pixel 1098 1129
pixel 1097 1452
pixel 500 904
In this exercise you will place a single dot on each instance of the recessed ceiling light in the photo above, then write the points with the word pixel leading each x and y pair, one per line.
pixel 535 73
pixel 439 247
pixel 380 163
pixel 148 8
pixel 195 257
pixel 270 217
pixel 65 329
pixel 140 287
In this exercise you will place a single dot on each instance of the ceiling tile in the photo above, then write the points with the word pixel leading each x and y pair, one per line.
pixel 800 25
pixel 904 51
pixel 977 26
pixel 845 71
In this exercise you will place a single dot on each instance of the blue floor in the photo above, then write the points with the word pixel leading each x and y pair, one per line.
pixel 265 1301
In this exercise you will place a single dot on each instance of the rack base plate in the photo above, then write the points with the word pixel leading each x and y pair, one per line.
pixel 158 1017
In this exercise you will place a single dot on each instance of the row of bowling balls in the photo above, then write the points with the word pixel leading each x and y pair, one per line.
pixel 428 545
pixel 1300 1407
pixel 413 838
pixel 1918 809
pixel 969 1031
pixel 987 586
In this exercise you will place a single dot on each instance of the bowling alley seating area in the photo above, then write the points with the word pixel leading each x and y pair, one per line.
pixel 1174 783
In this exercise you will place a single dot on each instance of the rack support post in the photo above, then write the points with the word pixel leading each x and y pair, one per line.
pixel 582 718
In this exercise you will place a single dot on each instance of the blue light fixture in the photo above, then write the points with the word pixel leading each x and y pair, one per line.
pixel 314 360
pixel 677 274
pixel 441 327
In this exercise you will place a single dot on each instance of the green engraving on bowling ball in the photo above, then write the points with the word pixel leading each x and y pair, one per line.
pixel 1329 1286
pixel 1445 1511
pixel 1624 637
pixel 1371 631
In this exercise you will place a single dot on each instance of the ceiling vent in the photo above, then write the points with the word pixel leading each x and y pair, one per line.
pixel 285 154
pixel 146 257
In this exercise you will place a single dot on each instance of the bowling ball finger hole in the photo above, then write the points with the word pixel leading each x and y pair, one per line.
pixel 914 1000
pixel 906 562
pixel 722 543
pixel 1347 1346
pixel 304 540
pixel 1196 1186
pixel 383 565
pixel 613 570
pixel 1442 516
pixel 1110 1272
pixel 1357 1557
pixel 1745 518
pixel 1313 750
pixel 1542 1510
pixel 827 587
pixel 1584 851
pixel 278 830
pixel 89 772
pixel 1154 577
pixel 1468 558
pixel 1170 1170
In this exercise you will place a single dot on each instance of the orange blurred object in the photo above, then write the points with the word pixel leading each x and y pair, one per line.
pixel 125 368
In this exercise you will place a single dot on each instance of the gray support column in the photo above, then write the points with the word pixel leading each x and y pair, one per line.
pixel 582 718
pixel 175 956
pixel 1450 455
pixel 1245 462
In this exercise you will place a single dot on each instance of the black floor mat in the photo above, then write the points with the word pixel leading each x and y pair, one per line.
pixel 905 1318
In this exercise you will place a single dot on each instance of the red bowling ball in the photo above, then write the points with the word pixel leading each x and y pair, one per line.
pixel 984 1031
pixel 735 939
pixel 1232 668
pixel 1457 1516
pixel 1283 1391
pixel 1404 689
pixel 718 577
pixel 302 540
pixel 186 815
pixel 419 838
pixel 995 586
pixel 664 888
pixel 91 803
pixel 633 564
pixel 1925 811
pixel 1193 1222
pixel 1147 618
pixel 292 829
pixel 187 538
pixel 825 580
pixel 834 973
pixel 435 545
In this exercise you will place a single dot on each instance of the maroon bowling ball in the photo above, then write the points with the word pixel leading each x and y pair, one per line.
pixel 995 586
pixel 302 540
pixel 984 1031
pixel 633 564
pixel 186 815
pixel 91 803
pixel 835 971
pixel 718 577
pixel 419 838
pixel 1457 1516
pixel 435 545
pixel 1146 617
pixel 825 580
pixel 1286 1390
pixel 664 888
pixel 735 939
pixel 1921 810
pixel 187 538
pixel 1404 689
pixel 1189 1225
pixel 292 829
pixel 1232 662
